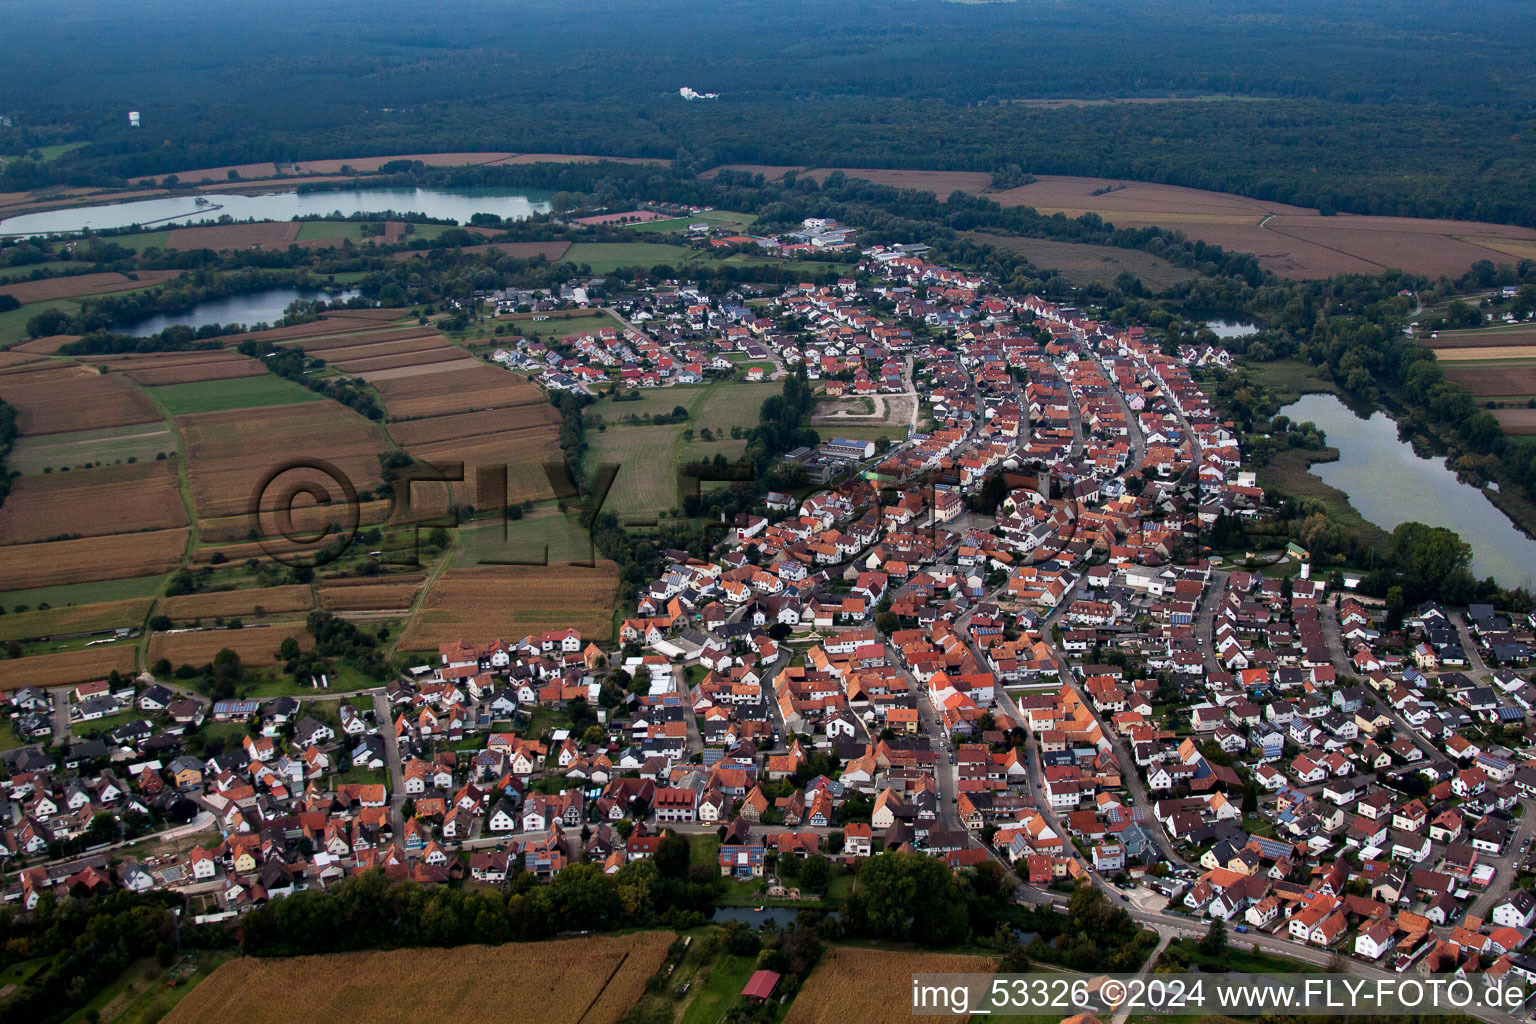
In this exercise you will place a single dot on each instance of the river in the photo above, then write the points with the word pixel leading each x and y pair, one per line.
pixel 251 308
pixel 458 204
pixel 1391 484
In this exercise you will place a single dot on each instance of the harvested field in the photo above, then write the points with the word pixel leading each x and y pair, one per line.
pixel 10 358
pixel 67 667
pixel 466 390
pixel 156 368
pixel 473 424
pixel 115 557
pixel 1290 240
pixel 386 597
pixel 419 369
pixel 365 348
pixel 45 346
pixel 1516 421
pixel 1494 381
pixel 227 603
pixel 513 601
pixel 362 335
pixel 79 618
pixel 1487 338
pixel 256 645
pixel 329 323
pixel 551 251
pixel 590 980
pixel 141 496
pixel 83 284
pixel 234 236
pixel 873 986
pixel 1085 264
pixel 221 174
pixel 114 444
pixel 57 399
pixel 1462 355
pixel 425 355
pixel 229 452
pixel 770 172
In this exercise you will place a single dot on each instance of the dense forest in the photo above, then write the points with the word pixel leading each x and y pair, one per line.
pixel 1400 107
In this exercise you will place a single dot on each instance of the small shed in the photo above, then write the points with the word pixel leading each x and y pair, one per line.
pixel 761 986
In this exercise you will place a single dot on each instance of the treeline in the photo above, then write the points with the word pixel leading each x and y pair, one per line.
pixel 367 911
pixel 8 435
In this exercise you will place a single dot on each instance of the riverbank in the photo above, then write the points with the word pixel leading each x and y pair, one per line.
pixel 1290 473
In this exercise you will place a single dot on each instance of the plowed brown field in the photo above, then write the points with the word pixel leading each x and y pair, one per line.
pixel 230 452
pixel 1516 421
pixel 385 597
pixel 438 394
pixel 116 557
pixel 56 399
pixel 91 502
pixel 234 236
pixel 226 603
pixel 1494 381
pixel 514 601
pixel 873 986
pixel 83 284
pixel 590 980
pixel 256 645
pixel 82 666
pixel 151 369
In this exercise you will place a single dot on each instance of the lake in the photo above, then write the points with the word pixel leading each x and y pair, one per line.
pixel 1391 484
pixel 753 918
pixel 457 204
pixel 251 308
pixel 1225 329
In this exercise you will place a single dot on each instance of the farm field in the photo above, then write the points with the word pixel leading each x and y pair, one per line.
pixel 873 986
pixel 234 236
pixel 1292 241
pixel 1504 336
pixel 544 532
pixel 589 980
pixel 57 399
pixel 606 257
pixel 233 393
pixel 158 368
pixel 67 667
pixel 229 452
pixel 13 322
pixel 383 596
pixel 554 252
pixel 83 284
pixel 256 645
pixel 513 601
pixel 1518 422
pixel 226 603
pixel 1494 378
pixel 120 556
pixel 141 496
pixel 560 326
pixel 112 445
pixel 1086 264
pixel 84 618
pixel 648 456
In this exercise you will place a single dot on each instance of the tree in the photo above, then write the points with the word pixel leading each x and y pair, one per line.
pixel 13 649
pixel 672 855
pixel 910 897
pixel 1214 943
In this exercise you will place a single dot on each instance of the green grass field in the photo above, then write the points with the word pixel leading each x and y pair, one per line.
pixel 13 323
pixel 336 229
pixel 649 456
pixel 559 327
pixel 25 272
pixel 525 540
pixel 141 441
pixel 236 393
pixel 606 257
pixel 84 593
pixel 144 240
